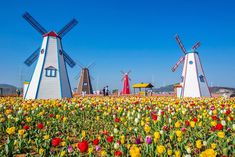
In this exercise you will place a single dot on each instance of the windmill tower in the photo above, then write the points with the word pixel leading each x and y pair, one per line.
pixel 84 84
pixel 50 78
pixel 193 80
pixel 126 85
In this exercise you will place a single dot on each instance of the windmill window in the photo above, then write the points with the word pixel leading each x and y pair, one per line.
pixel 60 52
pixel 42 51
pixel 51 72
pixel 190 62
pixel 182 78
pixel 202 79
pixel 84 84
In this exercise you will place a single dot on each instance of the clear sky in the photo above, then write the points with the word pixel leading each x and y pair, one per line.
pixel 123 35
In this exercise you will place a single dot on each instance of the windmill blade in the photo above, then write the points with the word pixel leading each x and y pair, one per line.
pixel 92 78
pixel 67 27
pixel 34 23
pixel 180 44
pixel 77 77
pixel 32 58
pixel 122 79
pixel 178 63
pixel 196 45
pixel 91 65
pixel 128 72
pixel 80 64
pixel 68 60
pixel 122 72
pixel 129 78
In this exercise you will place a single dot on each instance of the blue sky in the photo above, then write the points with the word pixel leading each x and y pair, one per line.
pixel 123 35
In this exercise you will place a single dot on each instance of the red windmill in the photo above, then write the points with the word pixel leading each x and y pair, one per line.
pixel 126 85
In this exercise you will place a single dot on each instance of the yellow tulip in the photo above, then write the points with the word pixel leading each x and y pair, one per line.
pixel 199 144
pixel 21 132
pixel 11 130
pixel 221 134
pixel 160 149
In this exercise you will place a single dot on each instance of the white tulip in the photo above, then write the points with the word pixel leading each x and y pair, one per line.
pixel 136 120
pixel 210 113
pixel 169 120
pixel 204 143
pixel 115 130
pixel 223 122
pixel 159 112
pixel 188 150
pixel 116 145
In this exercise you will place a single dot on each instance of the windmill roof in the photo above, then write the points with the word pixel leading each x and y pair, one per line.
pixel 50 67
pixel 51 33
pixel 142 85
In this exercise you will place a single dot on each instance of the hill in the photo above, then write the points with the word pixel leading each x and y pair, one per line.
pixel 214 90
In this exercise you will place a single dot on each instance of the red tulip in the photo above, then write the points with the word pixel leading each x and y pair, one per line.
pixel 214 117
pixel 195 119
pixel 109 139
pixel 118 153
pixel 55 141
pixel 165 128
pixel 26 127
pixel 183 129
pixel 212 129
pixel 219 126
pixel 40 126
pixel 117 120
pixel 51 115
pixel 231 118
pixel 228 112
pixel 154 117
pixel 187 123
pixel 96 142
pixel 83 146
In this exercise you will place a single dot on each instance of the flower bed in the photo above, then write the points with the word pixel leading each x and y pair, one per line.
pixel 117 126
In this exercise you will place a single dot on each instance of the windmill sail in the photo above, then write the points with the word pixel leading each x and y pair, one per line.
pixel 32 58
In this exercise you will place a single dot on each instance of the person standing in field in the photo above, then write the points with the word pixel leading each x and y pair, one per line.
pixel 18 92
pixel 107 90
pixel 104 93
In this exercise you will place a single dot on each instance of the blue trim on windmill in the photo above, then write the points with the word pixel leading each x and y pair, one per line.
pixel 70 62
pixel 58 56
pixel 29 61
pixel 45 54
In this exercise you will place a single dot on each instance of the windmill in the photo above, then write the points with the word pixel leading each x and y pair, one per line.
pixel 84 84
pixel 126 85
pixel 193 80
pixel 50 78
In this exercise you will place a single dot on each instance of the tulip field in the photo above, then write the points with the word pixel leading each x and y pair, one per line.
pixel 117 126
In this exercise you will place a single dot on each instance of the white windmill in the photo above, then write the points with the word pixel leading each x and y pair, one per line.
pixel 50 78
pixel 193 80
